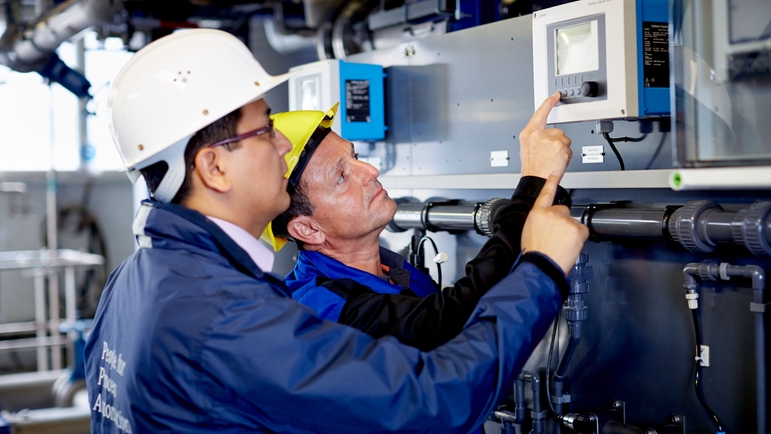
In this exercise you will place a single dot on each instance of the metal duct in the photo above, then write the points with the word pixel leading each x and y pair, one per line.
pixel 286 43
pixel 33 48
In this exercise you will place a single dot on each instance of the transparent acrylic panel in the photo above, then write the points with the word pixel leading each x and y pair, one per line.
pixel 722 82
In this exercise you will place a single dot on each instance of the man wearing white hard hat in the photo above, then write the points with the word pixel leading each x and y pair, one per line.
pixel 192 336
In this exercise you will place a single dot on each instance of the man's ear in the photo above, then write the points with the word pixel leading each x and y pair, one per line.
pixel 210 166
pixel 305 229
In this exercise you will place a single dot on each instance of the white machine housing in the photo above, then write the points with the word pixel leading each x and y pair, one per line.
pixel 357 86
pixel 316 87
pixel 620 48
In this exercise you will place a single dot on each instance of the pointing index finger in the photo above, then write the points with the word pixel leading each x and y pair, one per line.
pixel 549 190
pixel 542 113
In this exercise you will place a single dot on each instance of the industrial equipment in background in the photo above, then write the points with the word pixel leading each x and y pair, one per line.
pixel 31 46
pixel 336 28
pixel 609 60
pixel 357 87
pixel 619 64
pixel 697 226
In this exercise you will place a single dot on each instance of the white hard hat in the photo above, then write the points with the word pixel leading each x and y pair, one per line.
pixel 174 87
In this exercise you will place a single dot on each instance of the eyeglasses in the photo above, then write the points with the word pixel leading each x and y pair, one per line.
pixel 258 132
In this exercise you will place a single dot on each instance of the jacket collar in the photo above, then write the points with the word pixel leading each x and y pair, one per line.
pixel 170 225
pixel 313 264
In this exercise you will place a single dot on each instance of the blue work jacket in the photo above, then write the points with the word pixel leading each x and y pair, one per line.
pixel 314 268
pixel 191 336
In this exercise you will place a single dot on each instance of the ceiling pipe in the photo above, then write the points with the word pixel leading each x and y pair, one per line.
pixel 33 47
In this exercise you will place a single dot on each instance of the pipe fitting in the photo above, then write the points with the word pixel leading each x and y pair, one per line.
pixel 485 215
pixel 749 228
pixel 687 225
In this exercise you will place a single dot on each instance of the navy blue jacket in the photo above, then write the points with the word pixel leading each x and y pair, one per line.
pixel 410 309
pixel 190 336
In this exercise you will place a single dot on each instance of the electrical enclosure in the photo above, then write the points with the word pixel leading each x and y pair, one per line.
pixel 358 87
pixel 608 59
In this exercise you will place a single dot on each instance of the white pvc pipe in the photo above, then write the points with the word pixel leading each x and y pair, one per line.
pixel 723 178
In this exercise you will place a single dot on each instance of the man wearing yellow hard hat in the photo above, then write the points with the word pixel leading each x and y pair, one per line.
pixel 192 335
pixel 338 210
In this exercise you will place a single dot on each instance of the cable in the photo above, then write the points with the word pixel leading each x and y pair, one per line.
pixel 658 149
pixel 615 151
pixel 548 363
pixel 436 253
pixel 697 380
pixel 628 139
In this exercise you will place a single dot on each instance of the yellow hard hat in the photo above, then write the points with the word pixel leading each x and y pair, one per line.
pixel 305 129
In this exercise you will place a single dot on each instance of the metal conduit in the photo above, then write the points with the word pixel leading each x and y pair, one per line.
pixel 452 218
pixel 699 226
pixel 33 47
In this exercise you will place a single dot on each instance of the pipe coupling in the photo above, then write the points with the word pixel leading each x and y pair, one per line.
pixel 485 215
pixel 687 225
pixel 749 228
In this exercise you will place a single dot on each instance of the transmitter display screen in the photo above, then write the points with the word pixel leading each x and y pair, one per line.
pixel 577 48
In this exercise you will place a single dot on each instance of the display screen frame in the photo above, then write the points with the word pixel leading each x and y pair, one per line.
pixel 569 84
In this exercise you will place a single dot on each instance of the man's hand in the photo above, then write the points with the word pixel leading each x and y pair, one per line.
pixel 551 231
pixel 544 151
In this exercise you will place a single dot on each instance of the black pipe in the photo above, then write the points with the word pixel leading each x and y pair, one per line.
pixel 724 271
pixel 519 395
pixel 698 226
pixel 758 277
pixel 559 374
pixel 628 223
pixel 575 314
pixel 537 414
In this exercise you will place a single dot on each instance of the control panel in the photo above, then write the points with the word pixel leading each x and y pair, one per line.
pixel 608 58
pixel 358 87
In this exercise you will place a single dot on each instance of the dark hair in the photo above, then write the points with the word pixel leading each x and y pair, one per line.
pixel 299 205
pixel 221 129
